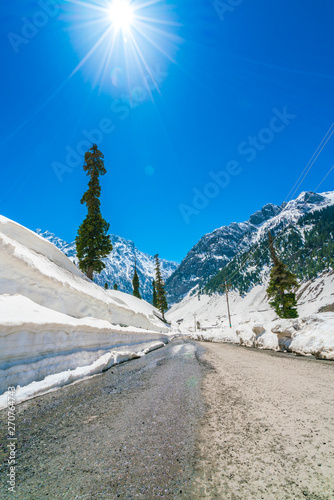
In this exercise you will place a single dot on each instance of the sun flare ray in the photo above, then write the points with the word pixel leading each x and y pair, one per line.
pixel 142 59
pixel 90 52
pixel 127 36
pixel 152 42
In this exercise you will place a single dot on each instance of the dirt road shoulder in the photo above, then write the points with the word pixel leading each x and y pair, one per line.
pixel 269 428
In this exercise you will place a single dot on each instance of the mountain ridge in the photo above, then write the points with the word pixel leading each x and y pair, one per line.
pixel 307 247
pixel 216 249
pixel 120 264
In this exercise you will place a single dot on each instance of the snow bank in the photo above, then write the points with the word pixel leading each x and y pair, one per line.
pixel 53 319
pixel 33 267
pixel 255 324
pixel 36 341
pixel 56 381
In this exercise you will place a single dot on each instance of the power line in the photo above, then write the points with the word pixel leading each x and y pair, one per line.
pixel 282 232
pixel 324 178
pixel 309 164
pixel 315 155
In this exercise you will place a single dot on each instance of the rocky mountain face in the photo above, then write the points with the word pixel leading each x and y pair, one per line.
pixel 306 247
pixel 120 264
pixel 216 250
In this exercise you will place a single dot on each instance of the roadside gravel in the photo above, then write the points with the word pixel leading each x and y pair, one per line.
pixel 128 433
pixel 269 429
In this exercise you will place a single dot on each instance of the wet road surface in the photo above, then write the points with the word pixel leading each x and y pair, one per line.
pixel 128 433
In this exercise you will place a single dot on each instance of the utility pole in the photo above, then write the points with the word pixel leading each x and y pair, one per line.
pixel 227 287
pixel 195 325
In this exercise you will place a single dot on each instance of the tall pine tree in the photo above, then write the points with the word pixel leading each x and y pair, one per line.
pixel 160 288
pixel 92 241
pixel 281 285
pixel 135 282
pixel 155 299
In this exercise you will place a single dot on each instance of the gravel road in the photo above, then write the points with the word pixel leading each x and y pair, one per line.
pixel 261 428
pixel 128 433
pixel 269 429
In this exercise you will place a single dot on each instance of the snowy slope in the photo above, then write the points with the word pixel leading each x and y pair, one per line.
pixel 52 318
pixel 254 322
pixel 35 268
pixel 215 250
pixel 120 264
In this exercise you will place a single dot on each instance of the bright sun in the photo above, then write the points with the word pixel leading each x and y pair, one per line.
pixel 124 37
pixel 121 14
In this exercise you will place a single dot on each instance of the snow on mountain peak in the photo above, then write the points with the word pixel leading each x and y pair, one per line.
pixel 267 212
pixel 120 264
pixel 224 243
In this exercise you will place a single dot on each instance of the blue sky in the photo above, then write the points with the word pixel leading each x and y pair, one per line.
pixel 218 115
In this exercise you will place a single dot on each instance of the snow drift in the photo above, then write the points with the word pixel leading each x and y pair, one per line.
pixel 52 318
pixel 61 379
pixel 255 324
pixel 35 268
pixel 36 341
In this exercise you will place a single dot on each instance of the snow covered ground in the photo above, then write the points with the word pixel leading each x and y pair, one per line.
pixel 35 268
pixel 57 327
pixel 255 324
pixel 55 322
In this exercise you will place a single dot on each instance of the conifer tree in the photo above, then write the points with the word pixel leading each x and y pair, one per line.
pixel 281 285
pixel 135 283
pixel 92 241
pixel 115 286
pixel 160 288
pixel 106 286
pixel 155 299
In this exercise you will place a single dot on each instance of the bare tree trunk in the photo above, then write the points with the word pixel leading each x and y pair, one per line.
pixel 89 273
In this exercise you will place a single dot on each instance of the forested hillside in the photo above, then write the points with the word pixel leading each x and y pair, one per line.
pixel 307 247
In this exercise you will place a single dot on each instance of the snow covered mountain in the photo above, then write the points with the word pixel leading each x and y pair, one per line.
pixel 306 247
pixel 120 264
pixel 215 250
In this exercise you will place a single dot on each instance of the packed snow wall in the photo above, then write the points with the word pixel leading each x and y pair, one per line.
pixel 35 268
pixel 52 318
